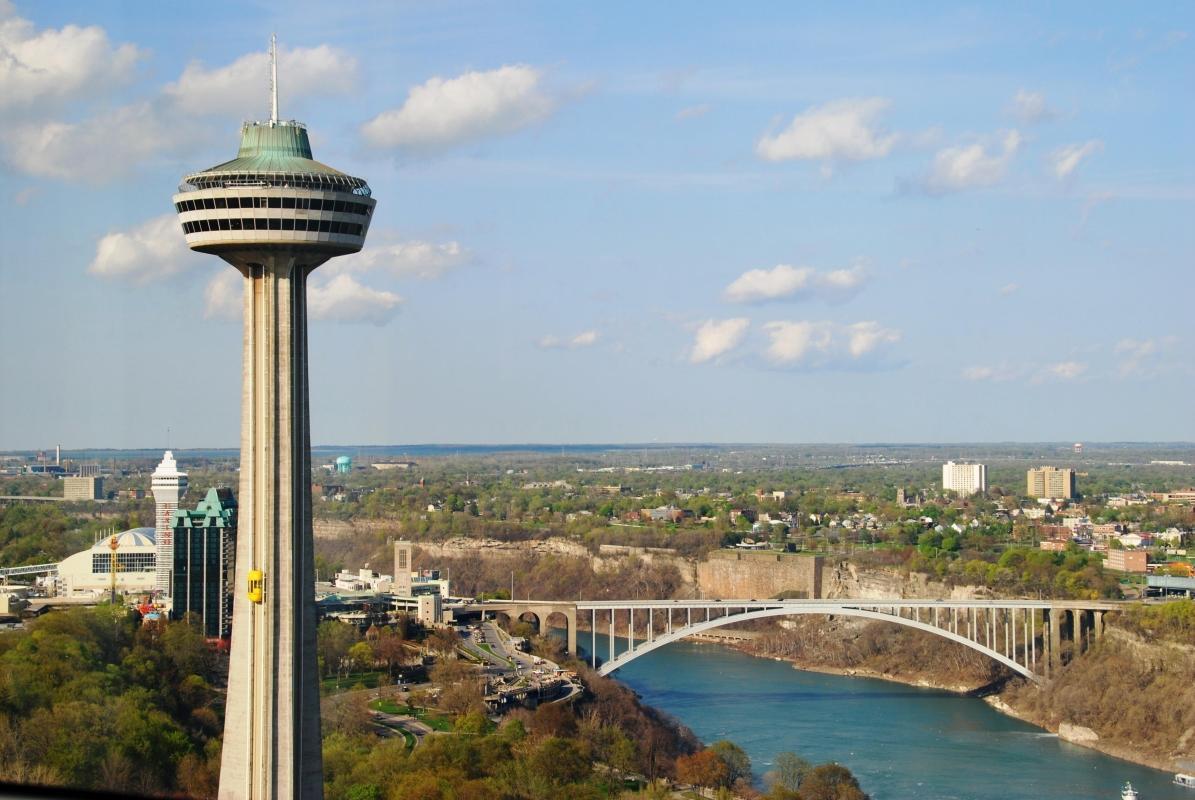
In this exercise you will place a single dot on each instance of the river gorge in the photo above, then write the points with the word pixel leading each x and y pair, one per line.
pixel 902 742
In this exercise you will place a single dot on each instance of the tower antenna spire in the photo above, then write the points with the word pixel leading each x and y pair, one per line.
pixel 273 78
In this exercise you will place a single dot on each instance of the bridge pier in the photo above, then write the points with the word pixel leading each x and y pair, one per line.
pixel 1054 648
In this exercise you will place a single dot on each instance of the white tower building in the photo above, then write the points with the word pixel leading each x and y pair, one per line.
pixel 275 214
pixel 966 479
pixel 169 486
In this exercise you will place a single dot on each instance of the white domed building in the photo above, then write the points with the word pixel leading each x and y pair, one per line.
pixel 90 571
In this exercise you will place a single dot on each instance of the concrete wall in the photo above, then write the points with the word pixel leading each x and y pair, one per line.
pixel 759 575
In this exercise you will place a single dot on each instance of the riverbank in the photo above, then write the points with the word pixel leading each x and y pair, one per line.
pixel 1037 706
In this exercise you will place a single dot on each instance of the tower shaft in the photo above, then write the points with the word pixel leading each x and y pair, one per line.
pixel 272 745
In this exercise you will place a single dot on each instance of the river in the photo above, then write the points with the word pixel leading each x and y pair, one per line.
pixel 902 742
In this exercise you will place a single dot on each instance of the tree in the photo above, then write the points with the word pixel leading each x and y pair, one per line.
pixel 790 770
pixel 560 761
pixel 333 640
pixel 831 782
pixel 703 768
pixel 738 764
pixel 360 656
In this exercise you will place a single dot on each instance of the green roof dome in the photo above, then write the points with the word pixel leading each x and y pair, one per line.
pixel 277 153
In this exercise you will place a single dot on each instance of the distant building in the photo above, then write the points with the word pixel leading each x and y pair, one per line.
pixel 1185 496
pixel 89 470
pixel 402 568
pixel 431 610
pixel 204 552
pixel 83 488
pixel 965 479
pixel 387 465
pixel 169 487
pixel 90 571
pixel 1051 482
pixel 1126 561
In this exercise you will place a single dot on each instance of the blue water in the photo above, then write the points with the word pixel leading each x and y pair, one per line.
pixel 903 743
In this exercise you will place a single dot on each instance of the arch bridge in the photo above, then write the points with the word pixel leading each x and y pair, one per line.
pixel 1032 638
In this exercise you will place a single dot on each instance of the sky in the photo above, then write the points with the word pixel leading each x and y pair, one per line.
pixel 622 222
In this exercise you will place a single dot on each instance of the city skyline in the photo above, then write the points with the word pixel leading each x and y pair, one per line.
pixel 627 227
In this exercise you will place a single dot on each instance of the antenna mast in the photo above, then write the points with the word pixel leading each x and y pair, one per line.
pixel 273 78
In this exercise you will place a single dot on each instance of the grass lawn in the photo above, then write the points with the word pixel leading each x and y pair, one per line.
pixel 436 722
pixel 369 680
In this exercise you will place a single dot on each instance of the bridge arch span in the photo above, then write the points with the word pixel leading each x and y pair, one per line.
pixel 656 642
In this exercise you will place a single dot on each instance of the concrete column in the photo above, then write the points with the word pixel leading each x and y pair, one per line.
pixel 1076 632
pixel 1098 623
pixel 1055 662
pixel 272 743
pixel 571 616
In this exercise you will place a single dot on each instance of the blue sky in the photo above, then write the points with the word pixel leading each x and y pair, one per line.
pixel 629 222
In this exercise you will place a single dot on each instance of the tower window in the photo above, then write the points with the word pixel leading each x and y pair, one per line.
pixel 235 223
pixel 275 224
pixel 288 224
pixel 274 202
pixel 220 203
pixel 208 203
pixel 234 202
pixel 224 226
pixel 288 202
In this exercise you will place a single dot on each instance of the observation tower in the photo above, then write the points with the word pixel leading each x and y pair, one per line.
pixel 275 214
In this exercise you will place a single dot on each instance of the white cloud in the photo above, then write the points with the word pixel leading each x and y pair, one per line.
pixel 1141 358
pixel 583 339
pixel 999 373
pixel 970 166
pixel 445 112
pixel 1010 288
pixel 1065 160
pixel 26 195
pixel 47 67
pixel 827 345
pixel 1031 107
pixel 842 130
pixel 865 337
pixel 715 338
pixel 242 87
pixel 407 259
pixel 98 149
pixel 692 112
pixel 343 299
pixel 152 251
pixel 1065 370
pixel 788 282
pixel 222 297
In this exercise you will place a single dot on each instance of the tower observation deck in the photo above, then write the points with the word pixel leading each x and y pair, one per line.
pixel 275 214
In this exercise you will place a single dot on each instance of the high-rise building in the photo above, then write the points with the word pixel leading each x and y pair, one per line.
pixel 82 488
pixel 1051 482
pixel 204 557
pixel 169 487
pixel 965 479
pixel 402 568
pixel 275 214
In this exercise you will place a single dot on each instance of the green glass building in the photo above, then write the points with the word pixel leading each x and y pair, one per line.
pixel 204 558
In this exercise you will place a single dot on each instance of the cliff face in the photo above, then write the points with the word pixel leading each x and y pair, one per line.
pixel 1126 697
pixel 843 580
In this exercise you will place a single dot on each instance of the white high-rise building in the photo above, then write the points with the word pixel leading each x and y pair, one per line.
pixel 965 479
pixel 169 486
